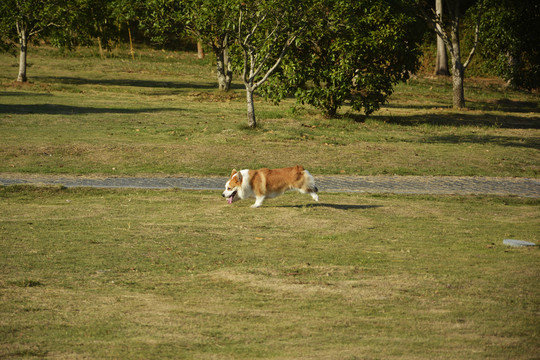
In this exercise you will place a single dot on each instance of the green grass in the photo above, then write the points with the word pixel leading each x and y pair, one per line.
pixel 177 274
pixel 162 114
pixel 146 274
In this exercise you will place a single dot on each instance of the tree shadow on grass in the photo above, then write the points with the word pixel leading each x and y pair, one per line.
pixel 125 82
pixel 56 109
pixel 510 141
pixel 334 206
pixel 505 105
pixel 173 85
pixel 463 119
pixel 21 94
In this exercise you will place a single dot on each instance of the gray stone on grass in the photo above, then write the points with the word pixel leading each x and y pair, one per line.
pixel 517 243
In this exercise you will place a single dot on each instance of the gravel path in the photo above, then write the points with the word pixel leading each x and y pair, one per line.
pixel 523 187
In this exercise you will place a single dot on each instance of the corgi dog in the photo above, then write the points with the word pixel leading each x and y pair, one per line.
pixel 268 183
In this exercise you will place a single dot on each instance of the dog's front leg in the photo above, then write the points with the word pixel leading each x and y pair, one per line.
pixel 258 202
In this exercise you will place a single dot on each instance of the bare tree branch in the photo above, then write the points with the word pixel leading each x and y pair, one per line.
pixel 278 61
pixel 436 23
pixel 37 31
pixel 476 35
pixel 267 55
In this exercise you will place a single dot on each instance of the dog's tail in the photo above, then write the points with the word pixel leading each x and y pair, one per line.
pixel 310 182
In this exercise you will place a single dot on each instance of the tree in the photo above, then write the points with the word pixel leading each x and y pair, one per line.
pixel 353 51
pixel 163 20
pixel 88 20
pixel 211 22
pixel 452 41
pixel 127 12
pixel 441 65
pixel 94 19
pixel 266 30
pixel 214 23
pixel 23 20
pixel 511 34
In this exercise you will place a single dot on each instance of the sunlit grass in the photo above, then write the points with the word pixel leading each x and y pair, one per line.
pixel 144 274
pixel 162 114
pixel 177 274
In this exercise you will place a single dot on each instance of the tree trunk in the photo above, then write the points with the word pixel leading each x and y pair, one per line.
pixel 131 44
pixel 250 108
pixel 458 70
pixel 101 54
pixel 441 66
pixel 331 108
pixel 23 41
pixel 224 68
pixel 458 73
pixel 200 50
pixel 228 68
pixel 513 64
pixel 221 73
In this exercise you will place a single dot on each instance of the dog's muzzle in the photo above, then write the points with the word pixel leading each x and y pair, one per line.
pixel 231 198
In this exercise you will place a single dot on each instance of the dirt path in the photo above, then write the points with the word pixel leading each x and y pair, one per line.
pixel 523 187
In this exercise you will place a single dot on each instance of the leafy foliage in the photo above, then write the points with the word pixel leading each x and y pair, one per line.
pixel 354 51
pixel 28 18
pixel 36 16
pixel 266 31
pixel 511 34
pixel 164 20
pixel 214 22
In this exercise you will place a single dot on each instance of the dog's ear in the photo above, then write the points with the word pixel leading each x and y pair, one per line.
pixel 233 172
pixel 239 175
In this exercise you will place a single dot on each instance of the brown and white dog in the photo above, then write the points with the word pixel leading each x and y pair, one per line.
pixel 268 183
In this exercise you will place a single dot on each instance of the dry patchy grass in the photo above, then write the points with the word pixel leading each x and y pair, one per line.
pixel 182 274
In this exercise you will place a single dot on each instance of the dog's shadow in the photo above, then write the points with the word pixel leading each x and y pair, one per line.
pixel 334 206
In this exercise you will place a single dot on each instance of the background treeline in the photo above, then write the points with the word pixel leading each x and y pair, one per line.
pixel 323 52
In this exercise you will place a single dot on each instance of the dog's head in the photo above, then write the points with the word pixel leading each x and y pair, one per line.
pixel 232 187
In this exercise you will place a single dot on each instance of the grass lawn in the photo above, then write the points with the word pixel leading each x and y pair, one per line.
pixel 178 274
pixel 148 274
pixel 162 114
